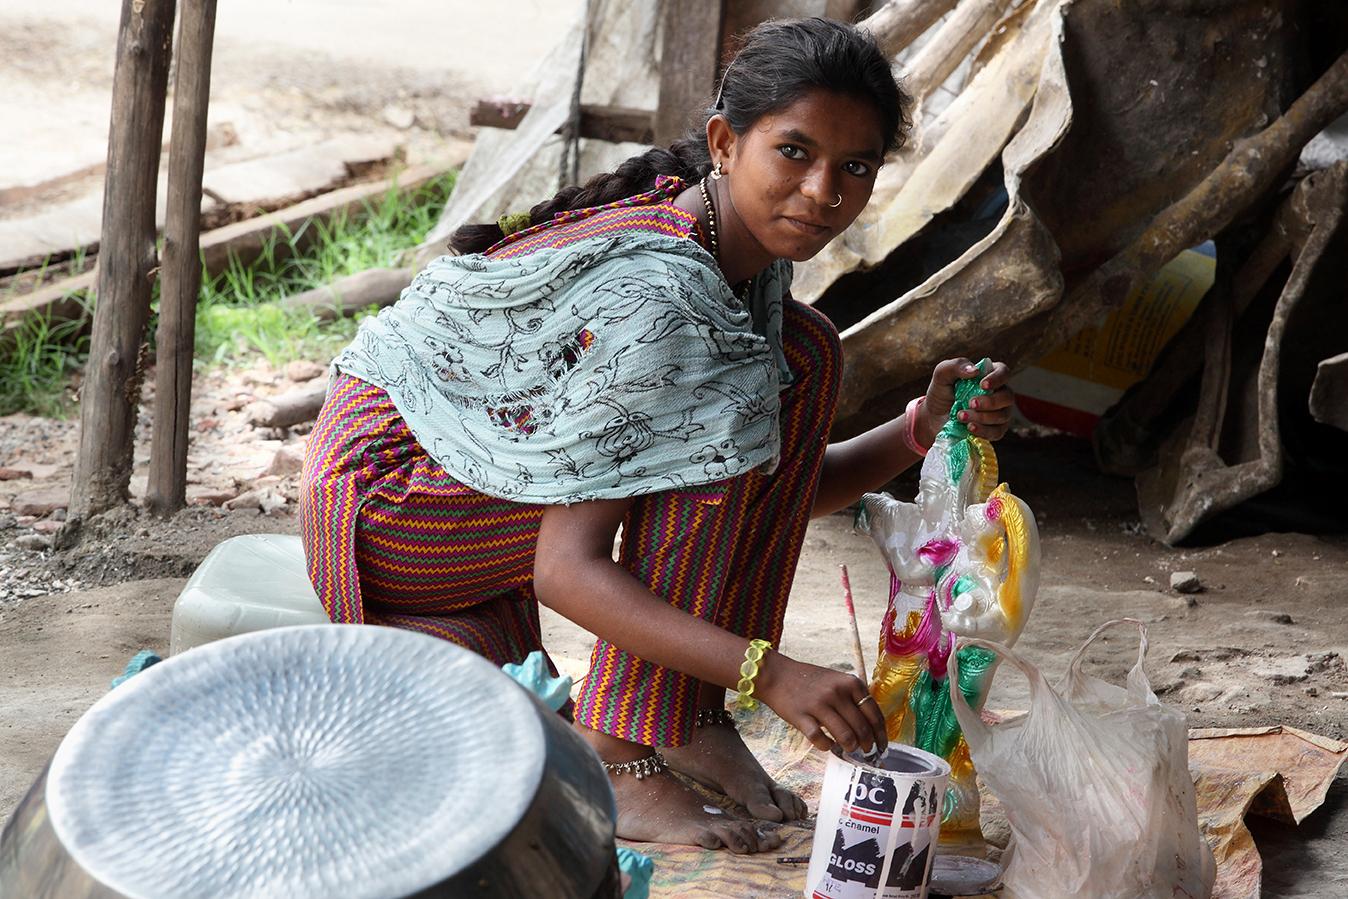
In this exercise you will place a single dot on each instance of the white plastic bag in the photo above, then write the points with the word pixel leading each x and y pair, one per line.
pixel 1095 783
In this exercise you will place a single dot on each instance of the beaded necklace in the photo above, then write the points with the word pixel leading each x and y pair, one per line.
pixel 711 219
pixel 743 292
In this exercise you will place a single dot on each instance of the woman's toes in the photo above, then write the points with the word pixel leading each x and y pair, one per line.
pixel 765 805
pixel 768 839
pixel 792 806
pixel 740 837
pixel 775 803
pixel 709 839
pixel 737 840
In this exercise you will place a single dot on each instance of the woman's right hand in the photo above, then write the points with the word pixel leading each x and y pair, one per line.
pixel 819 702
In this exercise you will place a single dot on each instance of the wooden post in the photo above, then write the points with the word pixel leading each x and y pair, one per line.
pixel 898 22
pixel 690 45
pixel 181 271
pixel 126 259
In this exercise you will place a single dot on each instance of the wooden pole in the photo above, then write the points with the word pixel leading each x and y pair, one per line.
pixel 690 45
pixel 181 271
pixel 126 259
pixel 1254 166
pixel 898 22
pixel 930 66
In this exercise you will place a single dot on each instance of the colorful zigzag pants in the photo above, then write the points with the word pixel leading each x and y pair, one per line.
pixel 391 538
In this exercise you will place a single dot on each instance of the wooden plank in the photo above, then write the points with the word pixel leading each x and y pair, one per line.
pixel 55 299
pixel 930 66
pixel 689 52
pixel 181 272
pixel 610 123
pixel 346 296
pixel 127 258
pixel 243 239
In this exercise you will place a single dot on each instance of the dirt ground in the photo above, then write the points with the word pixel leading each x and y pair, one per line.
pixel 284 75
pixel 1264 643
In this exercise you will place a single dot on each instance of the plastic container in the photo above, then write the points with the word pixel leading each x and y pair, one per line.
pixel 248 583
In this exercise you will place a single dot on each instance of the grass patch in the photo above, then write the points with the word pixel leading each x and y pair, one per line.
pixel 238 317
pixel 237 313
pixel 35 372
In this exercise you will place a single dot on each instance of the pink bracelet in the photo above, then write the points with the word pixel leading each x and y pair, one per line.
pixel 910 432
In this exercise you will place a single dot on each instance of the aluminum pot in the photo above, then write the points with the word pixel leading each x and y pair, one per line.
pixel 316 761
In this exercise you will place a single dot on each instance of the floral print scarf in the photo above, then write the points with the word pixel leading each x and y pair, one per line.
pixel 611 367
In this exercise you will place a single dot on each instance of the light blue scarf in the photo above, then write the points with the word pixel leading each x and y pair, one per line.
pixel 613 367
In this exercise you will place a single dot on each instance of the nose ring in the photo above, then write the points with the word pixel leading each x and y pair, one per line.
pixel 837 204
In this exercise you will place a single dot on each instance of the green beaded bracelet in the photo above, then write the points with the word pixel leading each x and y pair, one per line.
pixel 753 657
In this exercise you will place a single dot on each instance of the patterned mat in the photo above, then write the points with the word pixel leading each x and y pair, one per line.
pixel 1277 772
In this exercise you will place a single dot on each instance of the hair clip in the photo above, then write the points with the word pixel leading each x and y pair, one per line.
pixel 720 90
pixel 512 222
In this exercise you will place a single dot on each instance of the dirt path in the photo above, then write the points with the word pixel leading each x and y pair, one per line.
pixel 284 75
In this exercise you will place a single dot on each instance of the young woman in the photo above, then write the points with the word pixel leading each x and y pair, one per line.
pixel 632 357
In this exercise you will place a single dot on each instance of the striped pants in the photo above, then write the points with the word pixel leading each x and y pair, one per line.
pixel 392 539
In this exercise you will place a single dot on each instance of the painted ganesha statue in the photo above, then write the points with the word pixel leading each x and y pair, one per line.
pixel 964 562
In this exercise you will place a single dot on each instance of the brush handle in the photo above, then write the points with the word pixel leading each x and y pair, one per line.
pixel 858 660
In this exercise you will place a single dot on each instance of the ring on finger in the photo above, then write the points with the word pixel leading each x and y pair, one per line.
pixel 862 701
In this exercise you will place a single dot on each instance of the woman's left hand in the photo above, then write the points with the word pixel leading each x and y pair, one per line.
pixel 988 417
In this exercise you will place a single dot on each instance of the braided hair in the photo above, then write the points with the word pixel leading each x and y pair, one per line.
pixel 776 64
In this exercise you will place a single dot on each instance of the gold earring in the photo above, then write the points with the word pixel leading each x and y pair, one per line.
pixel 716 172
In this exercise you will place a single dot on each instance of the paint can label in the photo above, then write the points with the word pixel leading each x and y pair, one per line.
pixel 877 828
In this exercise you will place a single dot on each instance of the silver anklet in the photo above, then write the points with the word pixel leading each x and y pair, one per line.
pixel 709 717
pixel 650 766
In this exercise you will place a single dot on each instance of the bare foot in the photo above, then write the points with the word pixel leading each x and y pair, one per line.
pixel 661 809
pixel 718 759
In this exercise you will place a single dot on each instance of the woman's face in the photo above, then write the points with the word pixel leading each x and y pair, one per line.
pixel 787 172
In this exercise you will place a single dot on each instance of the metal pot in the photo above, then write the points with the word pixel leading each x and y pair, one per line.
pixel 317 761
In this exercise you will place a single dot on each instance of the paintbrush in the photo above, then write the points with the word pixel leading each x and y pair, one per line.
pixel 858 659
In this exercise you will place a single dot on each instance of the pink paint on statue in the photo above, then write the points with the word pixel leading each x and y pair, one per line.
pixel 927 640
pixel 939 551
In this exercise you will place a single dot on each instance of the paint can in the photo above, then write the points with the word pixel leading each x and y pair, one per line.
pixel 876 830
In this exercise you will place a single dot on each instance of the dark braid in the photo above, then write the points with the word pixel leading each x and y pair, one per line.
pixel 776 64
pixel 686 158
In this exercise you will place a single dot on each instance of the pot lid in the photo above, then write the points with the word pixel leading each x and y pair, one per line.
pixel 312 761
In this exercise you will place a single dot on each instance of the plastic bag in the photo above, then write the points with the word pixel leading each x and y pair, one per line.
pixel 1095 783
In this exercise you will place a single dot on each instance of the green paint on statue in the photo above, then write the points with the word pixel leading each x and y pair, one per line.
pixel 937 730
pixel 966 389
